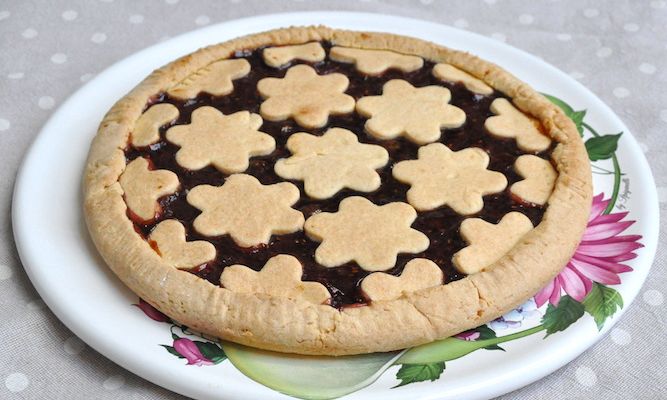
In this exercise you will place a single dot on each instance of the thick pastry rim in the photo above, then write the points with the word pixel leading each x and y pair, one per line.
pixel 296 326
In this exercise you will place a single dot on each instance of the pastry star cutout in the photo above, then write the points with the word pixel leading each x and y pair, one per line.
pixel 280 277
pixel 418 274
pixel 216 79
pixel 305 96
pixel 279 56
pixel 246 210
pixel 416 113
pixel 142 187
pixel 449 73
pixel 375 62
pixel 512 123
pixel 489 242
pixel 224 141
pixel 332 162
pixel 539 179
pixel 369 234
pixel 169 238
pixel 147 128
pixel 457 179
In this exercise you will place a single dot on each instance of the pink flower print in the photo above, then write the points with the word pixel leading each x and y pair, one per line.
pixel 599 257
pixel 188 349
pixel 469 336
pixel 151 311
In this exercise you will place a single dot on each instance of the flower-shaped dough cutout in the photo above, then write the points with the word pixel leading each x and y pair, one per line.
pixel 278 56
pixel 215 79
pixel 375 62
pixel 224 141
pixel 539 179
pixel 450 73
pixel 280 277
pixel 246 210
pixel 418 274
pixel 440 176
pixel 509 122
pixel 332 162
pixel 143 186
pixel 147 128
pixel 416 113
pixel 171 244
pixel 489 242
pixel 304 95
pixel 366 233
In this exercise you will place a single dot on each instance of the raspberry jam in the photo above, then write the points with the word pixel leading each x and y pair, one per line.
pixel 440 225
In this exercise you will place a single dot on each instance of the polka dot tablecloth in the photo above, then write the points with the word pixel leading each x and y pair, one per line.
pixel 50 48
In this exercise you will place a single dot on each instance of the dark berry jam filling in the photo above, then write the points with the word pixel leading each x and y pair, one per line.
pixel 440 225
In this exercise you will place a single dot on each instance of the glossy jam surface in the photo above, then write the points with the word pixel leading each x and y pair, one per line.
pixel 440 225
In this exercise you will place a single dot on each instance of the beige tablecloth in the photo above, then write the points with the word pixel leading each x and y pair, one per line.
pixel 48 49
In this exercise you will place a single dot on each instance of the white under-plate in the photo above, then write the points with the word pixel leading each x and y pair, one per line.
pixel 72 279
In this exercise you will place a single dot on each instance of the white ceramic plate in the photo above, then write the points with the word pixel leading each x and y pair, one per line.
pixel 63 265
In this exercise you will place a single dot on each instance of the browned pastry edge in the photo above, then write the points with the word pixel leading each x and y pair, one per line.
pixel 298 326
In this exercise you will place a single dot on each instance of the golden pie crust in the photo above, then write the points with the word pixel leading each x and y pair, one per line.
pixel 307 325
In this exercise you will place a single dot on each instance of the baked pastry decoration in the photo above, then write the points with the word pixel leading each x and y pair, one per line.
pixel 246 210
pixel 404 110
pixel 328 163
pixel 384 231
pixel 418 274
pixel 512 123
pixel 216 79
pixel 458 179
pixel 142 187
pixel 147 128
pixel 304 95
pixel 319 191
pixel 282 55
pixel 539 179
pixel 449 73
pixel 488 242
pixel 224 141
pixel 280 277
pixel 375 62
pixel 170 242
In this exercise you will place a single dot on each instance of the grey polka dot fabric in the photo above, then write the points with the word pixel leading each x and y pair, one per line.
pixel 618 49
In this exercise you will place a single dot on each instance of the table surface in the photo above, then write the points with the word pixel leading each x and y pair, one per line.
pixel 50 48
